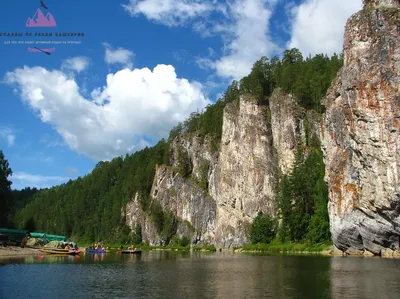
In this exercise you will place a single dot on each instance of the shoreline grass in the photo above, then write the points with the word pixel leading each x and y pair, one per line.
pixel 279 247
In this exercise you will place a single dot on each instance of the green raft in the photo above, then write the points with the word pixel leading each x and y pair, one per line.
pixel 49 237
pixel 14 235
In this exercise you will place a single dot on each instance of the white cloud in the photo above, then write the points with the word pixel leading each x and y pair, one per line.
pixel 204 63
pixel 8 135
pixel 242 24
pixel 77 64
pixel 318 25
pixel 169 12
pixel 21 180
pixel 250 38
pixel 119 56
pixel 133 106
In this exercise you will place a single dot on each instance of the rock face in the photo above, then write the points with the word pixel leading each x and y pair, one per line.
pixel 188 202
pixel 381 3
pixel 291 125
pixel 134 216
pixel 361 133
pixel 258 143
pixel 245 175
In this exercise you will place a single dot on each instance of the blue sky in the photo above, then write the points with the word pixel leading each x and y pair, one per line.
pixel 141 67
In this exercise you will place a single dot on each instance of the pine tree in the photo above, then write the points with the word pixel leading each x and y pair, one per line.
pixel 5 190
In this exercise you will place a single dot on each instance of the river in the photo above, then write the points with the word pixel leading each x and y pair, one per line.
pixel 164 274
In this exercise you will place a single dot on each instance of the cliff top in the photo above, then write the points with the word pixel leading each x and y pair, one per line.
pixel 381 3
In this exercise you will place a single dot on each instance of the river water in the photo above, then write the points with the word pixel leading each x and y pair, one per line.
pixel 164 274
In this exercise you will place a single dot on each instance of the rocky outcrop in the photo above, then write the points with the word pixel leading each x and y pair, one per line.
pixel 258 143
pixel 291 125
pixel 198 151
pixel 361 133
pixel 244 178
pixel 192 206
pixel 134 216
pixel 380 3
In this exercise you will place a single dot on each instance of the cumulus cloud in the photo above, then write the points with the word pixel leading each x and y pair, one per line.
pixel 250 38
pixel 119 56
pixel 8 135
pixel 77 64
pixel 132 109
pixel 318 25
pixel 169 12
pixel 242 24
pixel 21 180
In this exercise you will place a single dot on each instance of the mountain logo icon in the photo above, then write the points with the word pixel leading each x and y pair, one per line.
pixel 41 20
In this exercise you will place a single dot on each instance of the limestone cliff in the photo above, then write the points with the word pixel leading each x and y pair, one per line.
pixel 245 174
pixel 219 192
pixel 291 125
pixel 258 143
pixel 361 136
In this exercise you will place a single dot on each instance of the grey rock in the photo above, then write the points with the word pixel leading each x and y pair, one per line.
pixel 361 133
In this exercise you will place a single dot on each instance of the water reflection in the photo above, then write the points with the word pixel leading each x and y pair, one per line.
pixel 40 259
pixel 95 257
pixel 273 277
pixel 166 274
pixel 355 277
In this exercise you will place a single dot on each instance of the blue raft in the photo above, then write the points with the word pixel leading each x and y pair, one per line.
pixel 88 250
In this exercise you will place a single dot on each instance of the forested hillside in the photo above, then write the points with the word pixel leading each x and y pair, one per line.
pixel 89 208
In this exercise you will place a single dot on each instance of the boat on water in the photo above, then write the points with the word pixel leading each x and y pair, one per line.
pixel 60 251
pixel 89 250
pixel 130 251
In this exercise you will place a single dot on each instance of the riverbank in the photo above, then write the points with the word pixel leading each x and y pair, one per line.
pixel 297 248
pixel 293 249
pixel 312 249
pixel 13 251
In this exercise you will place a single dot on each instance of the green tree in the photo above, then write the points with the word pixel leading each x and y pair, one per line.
pixel 318 229
pixel 285 209
pixel 5 190
pixel 203 174
pixel 185 165
pixel 263 229
pixel 303 199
